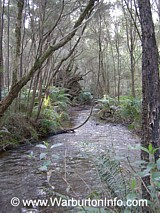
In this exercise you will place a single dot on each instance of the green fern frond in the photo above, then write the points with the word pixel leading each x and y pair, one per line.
pixel 110 172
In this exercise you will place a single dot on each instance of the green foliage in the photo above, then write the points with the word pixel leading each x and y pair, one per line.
pixel 110 172
pixel 46 126
pixel 19 126
pixel 85 97
pixel 108 106
pixel 53 112
pixel 130 107
pixel 44 156
pixel 59 98
pixel 16 128
pixel 107 103
pixel 151 169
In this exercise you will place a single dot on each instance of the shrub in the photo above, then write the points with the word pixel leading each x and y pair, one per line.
pixel 107 106
pixel 46 126
pixel 53 112
pixel 85 97
pixel 59 98
pixel 130 110
pixel 17 129
pixel 107 102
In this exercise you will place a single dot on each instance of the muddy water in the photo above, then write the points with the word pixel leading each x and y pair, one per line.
pixel 72 171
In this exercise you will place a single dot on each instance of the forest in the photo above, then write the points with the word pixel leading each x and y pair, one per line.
pixel 79 106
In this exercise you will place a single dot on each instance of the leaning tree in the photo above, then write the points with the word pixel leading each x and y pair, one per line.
pixel 39 61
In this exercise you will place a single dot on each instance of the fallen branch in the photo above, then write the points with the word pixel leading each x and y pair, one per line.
pixel 77 127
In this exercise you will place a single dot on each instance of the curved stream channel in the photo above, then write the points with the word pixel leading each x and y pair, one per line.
pixel 72 172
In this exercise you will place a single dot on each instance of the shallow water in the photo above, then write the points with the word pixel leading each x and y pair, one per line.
pixel 72 173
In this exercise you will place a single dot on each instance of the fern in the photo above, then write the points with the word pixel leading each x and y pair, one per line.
pixel 85 97
pixel 110 172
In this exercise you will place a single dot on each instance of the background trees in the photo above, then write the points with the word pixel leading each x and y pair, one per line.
pixel 33 48
pixel 105 49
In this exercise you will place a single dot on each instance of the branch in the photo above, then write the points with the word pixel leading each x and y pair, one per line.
pixel 134 22
pixel 86 73
pixel 56 23
pixel 15 88
pixel 90 114
pixel 77 127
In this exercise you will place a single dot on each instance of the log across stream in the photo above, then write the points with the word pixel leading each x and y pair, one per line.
pixel 72 172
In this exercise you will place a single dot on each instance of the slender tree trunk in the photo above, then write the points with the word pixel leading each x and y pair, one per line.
pixel 132 58
pixel 131 38
pixel 98 85
pixel 114 64
pixel 8 52
pixel 35 85
pixel 118 65
pixel 18 35
pixel 1 46
pixel 20 5
pixel 133 73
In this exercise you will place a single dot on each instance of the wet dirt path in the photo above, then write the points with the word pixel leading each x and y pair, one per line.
pixel 72 172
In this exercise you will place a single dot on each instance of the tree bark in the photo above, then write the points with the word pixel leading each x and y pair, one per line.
pixel 150 85
pixel 20 5
pixel 1 46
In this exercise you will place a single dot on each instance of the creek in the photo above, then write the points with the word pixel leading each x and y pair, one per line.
pixel 72 172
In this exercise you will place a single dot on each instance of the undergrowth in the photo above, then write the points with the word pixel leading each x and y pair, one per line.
pixel 127 110
pixel 18 127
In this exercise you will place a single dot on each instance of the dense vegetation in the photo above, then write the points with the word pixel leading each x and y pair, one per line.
pixel 54 54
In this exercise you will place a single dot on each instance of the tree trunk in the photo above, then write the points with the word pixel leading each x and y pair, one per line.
pixel 118 65
pixel 20 5
pixel 1 46
pixel 150 85
pixel 131 39
pixel 8 53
